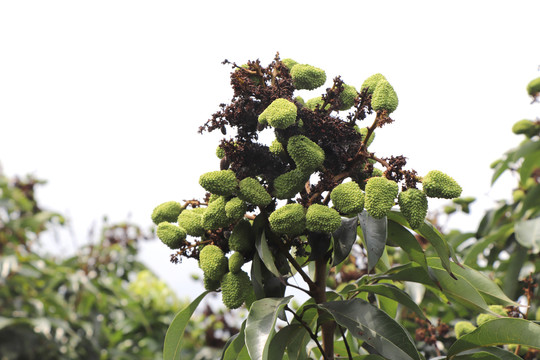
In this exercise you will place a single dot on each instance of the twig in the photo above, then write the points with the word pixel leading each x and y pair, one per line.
pixel 345 341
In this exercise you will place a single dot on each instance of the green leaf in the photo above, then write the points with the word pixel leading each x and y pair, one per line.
pixel 531 200
pixel 260 325
pixel 375 233
pixel 499 332
pixel 432 235
pixel 297 346
pixel 526 148
pixel 529 164
pixel 460 290
pixel 511 276
pixel 502 167
pixel 373 326
pixel 500 353
pixel 235 345
pixel 394 293
pixel 266 255
pixel 500 235
pixel 344 239
pixel 528 234
pixel 282 339
pixel 489 290
pixel 175 333
pixel 406 240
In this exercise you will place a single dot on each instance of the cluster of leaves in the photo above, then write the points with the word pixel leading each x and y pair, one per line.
pixel 99 304
pixel 286 208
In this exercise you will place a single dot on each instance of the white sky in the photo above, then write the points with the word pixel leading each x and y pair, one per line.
pixel 104 98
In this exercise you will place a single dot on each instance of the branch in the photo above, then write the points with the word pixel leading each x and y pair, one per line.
pixel 345 341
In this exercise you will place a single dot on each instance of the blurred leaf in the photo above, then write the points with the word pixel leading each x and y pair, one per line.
pixel 528 234
pixel 500 235
pixel 375 233
pixel 500 353
pixel 260 325
pixel 529 164
pixel 175 333
pixel 297 346
pixel 344 239
pixel 499 332
pixel 373 326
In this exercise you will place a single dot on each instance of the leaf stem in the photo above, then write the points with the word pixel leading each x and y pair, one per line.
pixel 346 343
pixel 308 329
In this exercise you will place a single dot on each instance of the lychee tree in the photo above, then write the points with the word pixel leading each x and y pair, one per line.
pixel 310 201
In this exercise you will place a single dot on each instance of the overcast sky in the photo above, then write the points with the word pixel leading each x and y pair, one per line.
pixel 104 98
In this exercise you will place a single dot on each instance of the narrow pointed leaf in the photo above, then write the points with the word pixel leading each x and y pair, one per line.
pixel 489 290
pixel 499 332
pixel 500 353
pixel 235 346
pixel 344 239
pixel 392 292
pixel 260 325
pixel 265 254
pixel 459 290
pixel 175 333
pixel 373 326
pixel 375 233
pixel 406 240
pixel 282 339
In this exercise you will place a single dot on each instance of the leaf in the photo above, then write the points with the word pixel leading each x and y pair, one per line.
pixel 511 276
pixel 499 332
pixel 265 254
pixel 489 290
pixel 460 290
pixel 501 234
pixel 297 346
pixel 260 325
pixel 282 339
pixel 394 293
pixel 432 235
pixel 375 233
pixel 344 239
pixel 175 333
pixel 373 326
pixel 531 199
pixel 529 164
pixel 406 240
pixel 528 234
pixel 526 148
pixel 235 345
pixel 500 353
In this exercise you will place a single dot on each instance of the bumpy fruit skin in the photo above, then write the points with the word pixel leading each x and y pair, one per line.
pixel 220 153
pixel 380 195
pixel 168 211
pixel 289 219
pixel 171 235
pixel 498 309
pixel 347 198
pixel 241 239
pixel 234 289
pixel 347 97
pixel 221 182
pixel 322 219
pixel 384 97
pixel 311 104
pixel 300 100
pixel 191 221
pixel 484 318
pixel 235 262
pixel 371 82
pixel 280 114
pixel 533 88
pixel 414 205
pixel 437 184
pixel 307 77
pixel 251 191
pixel 277 148
pixel 213 262
pixel 526 127
pixel 210 285
pixel 289 63
pixel 307 155
pixel 463 328
pixel 289 184
pixel 215 216
pixel 235 208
